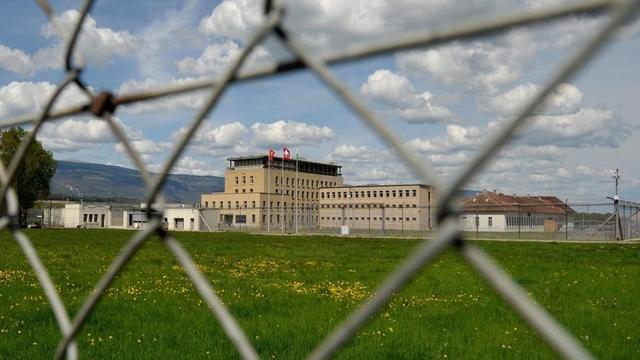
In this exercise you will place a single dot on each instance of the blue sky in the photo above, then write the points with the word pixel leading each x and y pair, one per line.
pixel 443 101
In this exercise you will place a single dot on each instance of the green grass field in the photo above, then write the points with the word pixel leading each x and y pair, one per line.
pixel 289 292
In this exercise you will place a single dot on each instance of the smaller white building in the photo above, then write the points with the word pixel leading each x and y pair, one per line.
pixel 496 212
pixel 177 217
pixel 87 216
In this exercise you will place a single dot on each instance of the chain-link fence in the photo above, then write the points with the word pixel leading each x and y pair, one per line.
pixel 104 105
pixel 513 221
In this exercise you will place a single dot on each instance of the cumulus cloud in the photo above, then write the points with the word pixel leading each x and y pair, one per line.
pixel 401 99
pixel 21 98
pixel 216 58
pixel 326 24
pixel 586 128
pixel 16 61
pixel 189 101
pixel 456 138
pixel 565 99
pixel 99 45
pixel 70 135
pixel 480 66
pixel 212 141
pixel 290 133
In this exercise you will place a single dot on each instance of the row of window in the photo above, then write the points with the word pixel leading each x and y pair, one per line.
pixel 253 205
pixel 364 206
pixel 242 219
pixel 369 194
pixel 244 180
pixel 374 218
pixel 90 218
pixel 290 182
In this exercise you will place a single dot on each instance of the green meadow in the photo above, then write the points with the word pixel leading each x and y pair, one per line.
pixel 289 292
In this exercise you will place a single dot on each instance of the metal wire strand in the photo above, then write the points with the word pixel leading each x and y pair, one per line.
pixel 551 332
pixel 227 321
pixel 57 305
pixel 461 30
pixel 123 258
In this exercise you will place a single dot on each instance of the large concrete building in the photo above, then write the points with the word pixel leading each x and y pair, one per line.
pixel 390 207
pixel 263 194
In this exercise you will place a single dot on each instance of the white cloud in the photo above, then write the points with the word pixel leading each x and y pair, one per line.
pixel 224 136
pixel 189 101
pixel 215 59
pixel 96 44
pixel 396 92
pixel 479 66
pixel 565 99
pixel 289 133
pixel 588 127
pixel 327 24
pixel 456 138
pixel 16 61
pixel 21 98
pixel 70 135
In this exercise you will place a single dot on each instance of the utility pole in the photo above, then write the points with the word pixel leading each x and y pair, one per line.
pixel 616 207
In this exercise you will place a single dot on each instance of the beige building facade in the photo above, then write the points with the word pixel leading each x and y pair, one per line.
pixel 390 207
pixel 272 195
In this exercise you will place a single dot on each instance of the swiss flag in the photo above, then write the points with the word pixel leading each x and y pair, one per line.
pixel 286 154
pixel 272 154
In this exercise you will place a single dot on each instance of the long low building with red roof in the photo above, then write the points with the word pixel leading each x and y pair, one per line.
pixel 496 212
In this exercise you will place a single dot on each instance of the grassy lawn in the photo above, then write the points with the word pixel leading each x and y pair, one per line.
pixel 289 292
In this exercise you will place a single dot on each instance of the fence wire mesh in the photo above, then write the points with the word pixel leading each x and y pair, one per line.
pixel 105 104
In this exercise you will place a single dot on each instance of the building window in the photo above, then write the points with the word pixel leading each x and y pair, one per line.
pixel 85 217
pixel 236 180
pixel 253 204
pixel 237 204
pixel 406 193
pixel 244 179
pixel 276 180
pixel 250 190
pixel 251 179
pixel 399 193
pixel 221 205
pixel 413 193
pixel 253 218
pixel 490 221
pixel 236 190
pixel 393 193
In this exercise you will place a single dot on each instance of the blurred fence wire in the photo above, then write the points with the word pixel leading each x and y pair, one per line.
pixel 103 105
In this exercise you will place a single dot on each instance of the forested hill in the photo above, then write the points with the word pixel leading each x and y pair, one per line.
pixel 98 182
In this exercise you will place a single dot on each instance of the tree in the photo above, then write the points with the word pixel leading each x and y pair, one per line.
pixel 33 177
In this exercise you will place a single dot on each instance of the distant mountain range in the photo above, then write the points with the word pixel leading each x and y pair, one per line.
pixel 108 183
pixel 116 184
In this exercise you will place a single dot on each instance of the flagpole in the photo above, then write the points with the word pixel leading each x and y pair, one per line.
pixel 282 194
pixel 297 190
pixel 269 193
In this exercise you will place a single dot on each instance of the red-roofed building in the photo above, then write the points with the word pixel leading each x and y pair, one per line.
pixel 497 212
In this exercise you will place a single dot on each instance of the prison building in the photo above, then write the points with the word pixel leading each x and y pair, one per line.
pixel 263 194
pixel 489 211
pixel 378 207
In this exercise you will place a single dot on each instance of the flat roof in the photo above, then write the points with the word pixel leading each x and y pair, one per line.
pixel 304 166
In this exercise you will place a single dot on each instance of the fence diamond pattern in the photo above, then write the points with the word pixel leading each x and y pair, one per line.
pixel 104 105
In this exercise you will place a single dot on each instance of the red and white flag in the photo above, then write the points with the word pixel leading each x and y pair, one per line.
pixel 286 154
pixel 272 154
